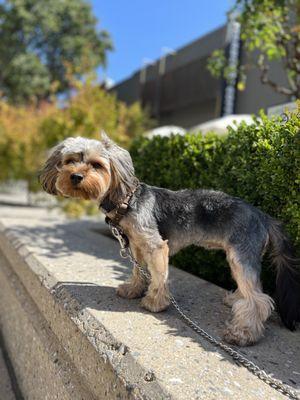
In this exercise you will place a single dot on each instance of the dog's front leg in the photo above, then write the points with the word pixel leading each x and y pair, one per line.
pixel 157 297
pixel 136 285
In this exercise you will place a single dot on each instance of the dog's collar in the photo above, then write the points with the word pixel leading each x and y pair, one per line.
pixel 118 211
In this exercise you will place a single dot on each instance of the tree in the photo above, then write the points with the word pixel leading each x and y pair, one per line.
pixel 91 110
pixel 270 30
pixel 45 44
pixel 21 145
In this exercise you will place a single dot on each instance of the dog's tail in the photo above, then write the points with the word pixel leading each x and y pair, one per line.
pixel 288 275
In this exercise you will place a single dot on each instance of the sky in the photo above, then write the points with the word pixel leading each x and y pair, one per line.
pixel 141 28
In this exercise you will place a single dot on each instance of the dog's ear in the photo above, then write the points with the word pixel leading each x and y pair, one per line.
pixel 105 140
pixel 122 170
pixel 48 175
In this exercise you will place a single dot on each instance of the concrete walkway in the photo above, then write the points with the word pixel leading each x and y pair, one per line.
pixel 70 270
pixel 6 391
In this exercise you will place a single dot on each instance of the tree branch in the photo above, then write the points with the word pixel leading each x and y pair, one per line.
pixel 264 69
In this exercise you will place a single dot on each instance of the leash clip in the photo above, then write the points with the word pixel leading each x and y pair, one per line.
pixel 119 235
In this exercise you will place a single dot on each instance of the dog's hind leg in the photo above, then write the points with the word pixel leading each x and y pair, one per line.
pixel 254 307
pixel 157 296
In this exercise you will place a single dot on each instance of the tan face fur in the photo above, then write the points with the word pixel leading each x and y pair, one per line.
pixel 94 172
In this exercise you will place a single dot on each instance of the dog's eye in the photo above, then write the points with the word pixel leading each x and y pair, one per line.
pixel 96 165
pixel 69 162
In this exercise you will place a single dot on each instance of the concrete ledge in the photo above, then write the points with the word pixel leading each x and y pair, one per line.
pixel 6 387
pixel 70 337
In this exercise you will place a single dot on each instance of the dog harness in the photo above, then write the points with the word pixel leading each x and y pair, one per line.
pixel 119 210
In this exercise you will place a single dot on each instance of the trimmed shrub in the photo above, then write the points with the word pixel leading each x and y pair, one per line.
pixel 259 163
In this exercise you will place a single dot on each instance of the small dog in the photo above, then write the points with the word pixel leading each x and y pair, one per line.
pixel 159 222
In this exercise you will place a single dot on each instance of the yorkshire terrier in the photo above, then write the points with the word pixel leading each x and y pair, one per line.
pixel 159 222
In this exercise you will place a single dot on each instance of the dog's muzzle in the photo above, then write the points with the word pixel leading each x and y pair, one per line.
pixel 76 179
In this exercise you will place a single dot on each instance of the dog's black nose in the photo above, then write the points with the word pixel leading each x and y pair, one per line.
pixel 76 178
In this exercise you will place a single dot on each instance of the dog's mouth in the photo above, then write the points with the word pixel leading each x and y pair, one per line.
pixel 83 190
pixel 78 193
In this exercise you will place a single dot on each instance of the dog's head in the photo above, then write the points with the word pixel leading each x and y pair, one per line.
pixel 88 169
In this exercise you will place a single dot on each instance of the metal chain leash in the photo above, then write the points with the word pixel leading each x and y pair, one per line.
pixel 276 384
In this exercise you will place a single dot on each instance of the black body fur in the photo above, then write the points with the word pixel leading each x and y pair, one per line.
pixel 214 219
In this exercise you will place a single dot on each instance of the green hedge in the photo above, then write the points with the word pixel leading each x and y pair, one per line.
pixel 259 163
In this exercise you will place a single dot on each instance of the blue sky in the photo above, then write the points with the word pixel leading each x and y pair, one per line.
pixel 141 28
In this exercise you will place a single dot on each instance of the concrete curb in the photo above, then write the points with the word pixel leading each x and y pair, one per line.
pixel 6 385
pixel 55 317
pixel 70 337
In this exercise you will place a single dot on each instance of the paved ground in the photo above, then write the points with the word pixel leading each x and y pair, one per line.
pixel 6 391
pixel 86 264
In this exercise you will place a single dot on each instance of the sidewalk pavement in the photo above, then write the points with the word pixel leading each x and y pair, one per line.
pixel 79 258
pixel 6 391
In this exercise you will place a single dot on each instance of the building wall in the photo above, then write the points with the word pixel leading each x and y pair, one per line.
pixel 190 116
pixel 187 95
pixel 128 90
pixel 259 96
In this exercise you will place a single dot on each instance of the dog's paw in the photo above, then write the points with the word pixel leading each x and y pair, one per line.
pixel 129 291
pixel 155 304
pixel 231 297
pixel 239 337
